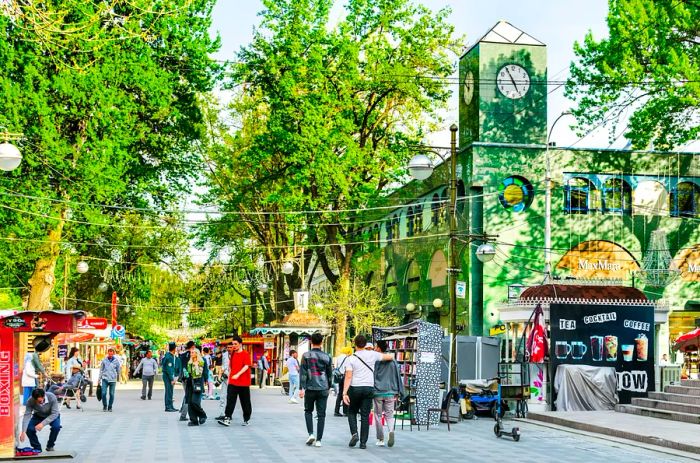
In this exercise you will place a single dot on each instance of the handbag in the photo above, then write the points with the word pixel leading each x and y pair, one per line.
pixel 337 374
pixel 98 392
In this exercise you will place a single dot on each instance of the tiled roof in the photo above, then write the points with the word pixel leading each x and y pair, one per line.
pixel 623 293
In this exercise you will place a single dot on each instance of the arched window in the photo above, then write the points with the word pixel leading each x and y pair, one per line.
pixel 685 200
pixel 389 231
pixel 435 208
pixel 579 196
pixel 617 196
pixel 374 237
pixel 395 227
pixel 461 198
pixel 390 290
pixel 409 222
pixel 413 281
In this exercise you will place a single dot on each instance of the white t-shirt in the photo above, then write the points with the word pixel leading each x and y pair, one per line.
pixel 363 375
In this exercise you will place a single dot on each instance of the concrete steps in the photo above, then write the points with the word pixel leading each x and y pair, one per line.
pixel 656 413
pixel 677 403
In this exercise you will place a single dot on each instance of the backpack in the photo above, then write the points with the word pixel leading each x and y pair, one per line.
pixel 338 374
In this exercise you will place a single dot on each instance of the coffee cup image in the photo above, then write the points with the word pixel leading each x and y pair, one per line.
pixel 610 348
pixel 562 349
pixel 627 352
pixel 642 343
pixel 578 350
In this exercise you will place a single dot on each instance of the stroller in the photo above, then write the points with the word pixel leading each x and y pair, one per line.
pixel 73 389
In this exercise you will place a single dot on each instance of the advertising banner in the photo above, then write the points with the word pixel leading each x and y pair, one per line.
pixel 606 335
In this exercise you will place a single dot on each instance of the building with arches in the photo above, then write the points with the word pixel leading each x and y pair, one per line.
pixel 606 204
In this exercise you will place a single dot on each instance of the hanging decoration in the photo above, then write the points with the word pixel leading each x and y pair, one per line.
pixel 656 266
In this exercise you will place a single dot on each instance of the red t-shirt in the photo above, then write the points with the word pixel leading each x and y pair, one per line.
pixel 238 361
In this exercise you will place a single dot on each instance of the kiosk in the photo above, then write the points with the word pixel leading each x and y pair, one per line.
pixel 46 323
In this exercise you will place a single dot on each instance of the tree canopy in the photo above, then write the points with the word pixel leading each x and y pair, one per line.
pixel 645 77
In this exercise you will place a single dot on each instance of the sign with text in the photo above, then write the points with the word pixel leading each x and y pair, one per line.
pixel 606 335
pixel 92 323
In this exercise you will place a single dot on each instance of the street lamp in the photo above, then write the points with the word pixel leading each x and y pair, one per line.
pixel 548 203
pixel 420 167
pixel 10 157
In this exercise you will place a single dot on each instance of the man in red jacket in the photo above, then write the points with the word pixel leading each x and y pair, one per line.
pixel 238 383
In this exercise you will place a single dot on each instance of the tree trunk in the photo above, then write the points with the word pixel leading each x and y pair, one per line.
pixel 43 279
pixel 341 320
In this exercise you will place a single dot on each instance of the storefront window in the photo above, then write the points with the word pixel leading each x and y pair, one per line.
pixel 617 196
pixel 685 200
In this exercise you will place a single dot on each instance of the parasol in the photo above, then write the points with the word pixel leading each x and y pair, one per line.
pixel 688 341
pixel 66 338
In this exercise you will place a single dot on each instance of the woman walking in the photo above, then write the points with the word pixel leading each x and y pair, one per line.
pixel 197 375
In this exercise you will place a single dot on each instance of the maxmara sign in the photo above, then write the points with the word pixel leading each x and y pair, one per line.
pixel 585 264
pixel 598 259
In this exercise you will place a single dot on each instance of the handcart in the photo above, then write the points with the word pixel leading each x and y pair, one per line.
pixel 515 385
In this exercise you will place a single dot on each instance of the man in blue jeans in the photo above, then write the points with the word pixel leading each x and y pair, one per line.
pixel 109 375
pixel 293 371
pixel 42 409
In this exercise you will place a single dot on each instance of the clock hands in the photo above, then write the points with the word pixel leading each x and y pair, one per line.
pixel 512 79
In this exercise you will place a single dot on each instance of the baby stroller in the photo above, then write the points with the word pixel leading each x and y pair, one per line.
pixel 73 389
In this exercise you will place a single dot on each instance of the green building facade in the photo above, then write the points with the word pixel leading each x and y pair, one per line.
pixel 607 206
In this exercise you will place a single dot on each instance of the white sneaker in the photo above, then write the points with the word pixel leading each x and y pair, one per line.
pixel 317 443
pixel 311 440
pixel 293 401
pixel 380 443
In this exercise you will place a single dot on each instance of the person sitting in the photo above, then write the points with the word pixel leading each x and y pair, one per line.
pixel 72 388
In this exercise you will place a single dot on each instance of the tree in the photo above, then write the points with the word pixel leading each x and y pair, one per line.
pixel 109 106
pixel 648 69
pixel 324 115
pixel 363 308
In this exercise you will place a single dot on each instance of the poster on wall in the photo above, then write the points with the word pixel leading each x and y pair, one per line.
pixel 606 336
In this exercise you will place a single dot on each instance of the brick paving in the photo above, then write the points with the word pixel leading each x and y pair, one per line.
pixel 139 431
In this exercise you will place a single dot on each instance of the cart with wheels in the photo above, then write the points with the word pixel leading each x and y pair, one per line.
pixel 515 385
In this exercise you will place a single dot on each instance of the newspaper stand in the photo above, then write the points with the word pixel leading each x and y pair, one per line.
pixel 47 323
pixel 515 385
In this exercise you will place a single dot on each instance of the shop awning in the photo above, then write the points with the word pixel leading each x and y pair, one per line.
pixel 303 330
pixel 67 338
pixel 688 341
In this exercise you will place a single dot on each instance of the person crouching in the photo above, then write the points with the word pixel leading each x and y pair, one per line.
pixel 42 410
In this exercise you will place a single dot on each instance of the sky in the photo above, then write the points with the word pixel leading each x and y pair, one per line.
pixel 556 23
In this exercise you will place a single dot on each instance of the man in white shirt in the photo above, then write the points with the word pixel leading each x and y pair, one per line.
pixel 358 388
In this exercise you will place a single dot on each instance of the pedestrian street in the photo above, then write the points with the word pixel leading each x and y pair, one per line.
pixel 140 431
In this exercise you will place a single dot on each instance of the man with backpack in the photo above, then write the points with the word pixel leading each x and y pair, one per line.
pixel 339 380
pixel 358 390
pixel 315 382
pixel 387 385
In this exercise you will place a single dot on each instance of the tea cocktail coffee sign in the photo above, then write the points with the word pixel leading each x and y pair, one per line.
pixel 606 335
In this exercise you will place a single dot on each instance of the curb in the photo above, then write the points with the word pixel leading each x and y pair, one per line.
pixel 596 429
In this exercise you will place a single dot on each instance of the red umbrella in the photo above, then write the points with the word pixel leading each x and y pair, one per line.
pixel 688 341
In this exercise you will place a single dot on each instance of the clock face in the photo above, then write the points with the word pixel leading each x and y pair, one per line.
pixel 469 87
pixel 513 81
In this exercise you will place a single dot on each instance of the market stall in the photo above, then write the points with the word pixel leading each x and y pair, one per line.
pixel 44 325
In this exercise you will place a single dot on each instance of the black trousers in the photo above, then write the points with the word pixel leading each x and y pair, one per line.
pixel 232 395
pixel 339 398
pixel 360 401
pixel 194 405
pixel 319 399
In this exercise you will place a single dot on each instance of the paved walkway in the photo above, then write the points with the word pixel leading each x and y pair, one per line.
pixel 657 431
pixel 140 431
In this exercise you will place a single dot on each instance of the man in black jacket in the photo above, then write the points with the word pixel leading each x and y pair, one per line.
pixel 184 360
pixel 315 381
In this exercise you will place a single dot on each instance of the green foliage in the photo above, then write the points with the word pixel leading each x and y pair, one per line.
pixel 322 117
pixel 649 67
pixel 107 95
pixel 362 306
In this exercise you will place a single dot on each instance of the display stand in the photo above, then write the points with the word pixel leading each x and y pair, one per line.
pixel 416 347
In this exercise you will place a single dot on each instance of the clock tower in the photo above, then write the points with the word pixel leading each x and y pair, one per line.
pixel 503 89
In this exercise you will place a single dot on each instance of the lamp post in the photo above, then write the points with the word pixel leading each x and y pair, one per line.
pixel 548 203
pixel 420 167
pixel 10 156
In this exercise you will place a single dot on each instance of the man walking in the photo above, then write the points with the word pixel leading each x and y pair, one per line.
pixel 293 374
pixel 387 385
pixel 109 374
pixel 359 388
pixel 184 360
pixel 316 380
pixel 238 383
pixel 148 368
pixel 169 374
pixel 263 368
pixel 225 373
pixel 42 409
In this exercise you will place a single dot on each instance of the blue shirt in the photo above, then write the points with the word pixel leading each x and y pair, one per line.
pixel 293 366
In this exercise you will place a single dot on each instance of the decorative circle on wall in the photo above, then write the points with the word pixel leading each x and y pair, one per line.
pixel 515 193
